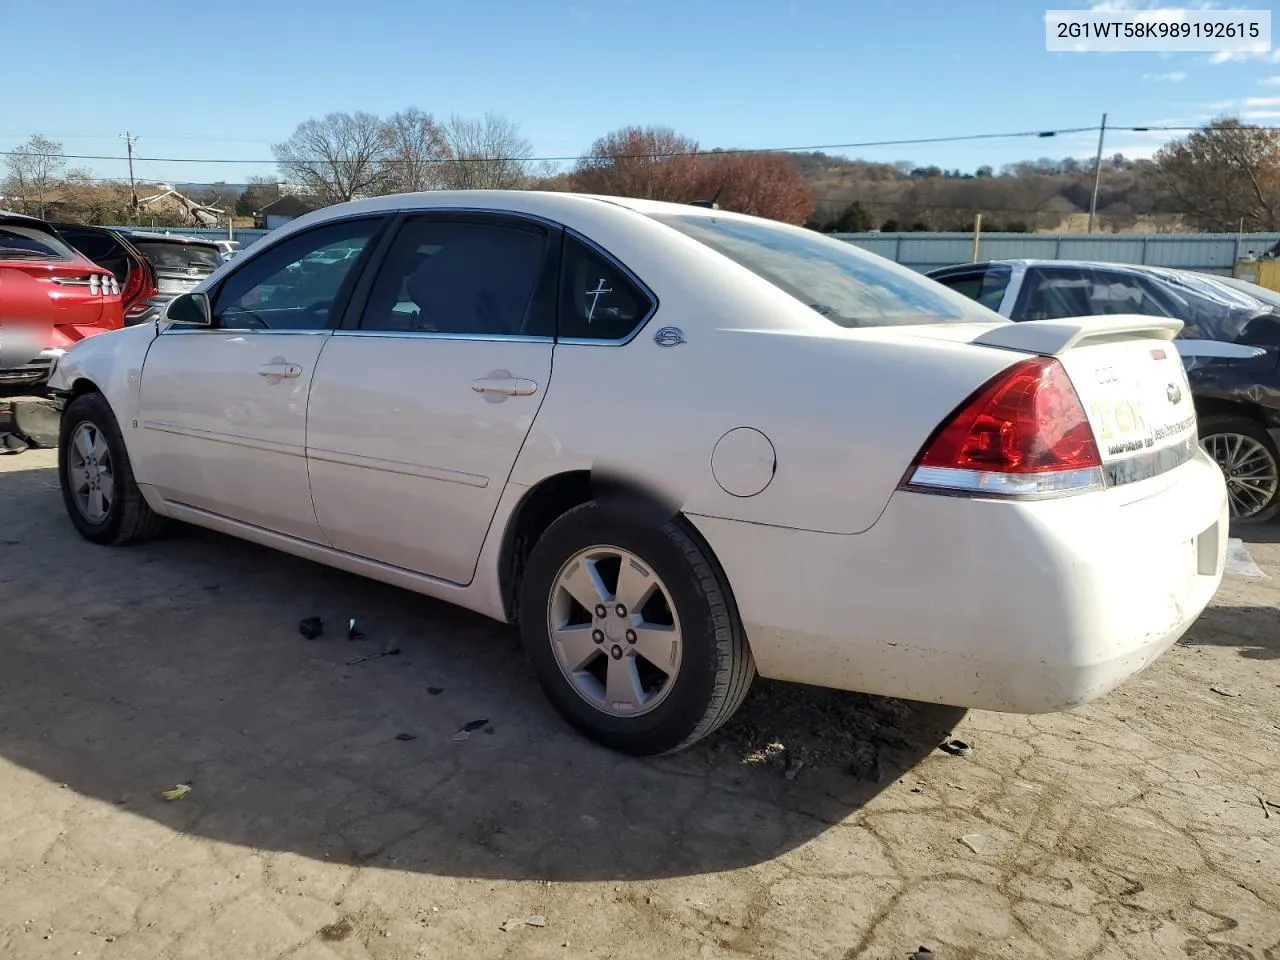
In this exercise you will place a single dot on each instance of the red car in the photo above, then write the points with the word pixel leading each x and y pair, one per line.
pixel 51 297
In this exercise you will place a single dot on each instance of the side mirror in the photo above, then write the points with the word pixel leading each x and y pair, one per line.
pixel 189 309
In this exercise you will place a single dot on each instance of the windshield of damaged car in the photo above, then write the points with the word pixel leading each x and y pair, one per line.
pixel 1212 310
pixel 841 282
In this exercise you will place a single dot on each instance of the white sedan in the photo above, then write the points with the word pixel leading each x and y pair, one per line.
pixel 678 446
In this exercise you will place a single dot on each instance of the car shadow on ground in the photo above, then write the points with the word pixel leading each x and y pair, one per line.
pixel 1254 631
pixel 128 671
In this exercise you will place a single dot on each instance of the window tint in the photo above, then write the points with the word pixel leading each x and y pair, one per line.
pixel 96 246
pixel 598 301
pixel 28 243
pixel 848 286
pixel 1053 293
pixel 452 276
pixel 293 285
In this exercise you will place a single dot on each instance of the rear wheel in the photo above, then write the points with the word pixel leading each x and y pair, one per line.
pixel 98 488
pixel 1250 463
pixel 631 632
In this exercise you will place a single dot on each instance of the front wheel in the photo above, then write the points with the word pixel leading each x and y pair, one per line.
pixel 632 632
pixel 1250 463
pixel 98 488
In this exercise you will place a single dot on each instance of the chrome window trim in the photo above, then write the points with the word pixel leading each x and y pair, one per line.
pixel 185 329
pixel 433 335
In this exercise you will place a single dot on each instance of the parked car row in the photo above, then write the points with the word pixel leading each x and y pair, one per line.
pixel 677 446
pixel 49 298
pixel 1230 344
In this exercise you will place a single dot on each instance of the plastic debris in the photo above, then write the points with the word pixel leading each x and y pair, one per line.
pixel 471 725
pixel 462 735
pixel 977 843
pixel 390 652
pixel 1224 693
pixel 176 793
pixel 352 632
pixel 515 923
pixel 957 748
pixel 311 627
pixel 435 691
pixel 406 737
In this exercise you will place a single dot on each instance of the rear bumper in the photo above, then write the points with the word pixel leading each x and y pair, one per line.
pixel 1023 607
pixel 34 371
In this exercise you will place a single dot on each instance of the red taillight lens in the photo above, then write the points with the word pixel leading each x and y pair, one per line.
pixel 1023 434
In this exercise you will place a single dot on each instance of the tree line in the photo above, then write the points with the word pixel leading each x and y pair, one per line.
pixel 1224 176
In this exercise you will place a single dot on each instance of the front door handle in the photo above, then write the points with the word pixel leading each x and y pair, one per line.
pixel 505 386
pixel 280 371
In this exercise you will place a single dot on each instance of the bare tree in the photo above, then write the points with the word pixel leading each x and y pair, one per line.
pixel 415 151
pixel 760 184
pixel 34 171
pixel 655 163
pixel 1225 173
pixel 487 154
pixel 338 158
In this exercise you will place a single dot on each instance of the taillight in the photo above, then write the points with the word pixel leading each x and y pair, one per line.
pixel 1023 434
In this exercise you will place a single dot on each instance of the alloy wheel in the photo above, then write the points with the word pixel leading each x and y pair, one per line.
pixel 1250 469
pixel 90 470
pixel 614 631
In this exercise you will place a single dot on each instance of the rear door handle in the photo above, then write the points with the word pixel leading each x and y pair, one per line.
pixel 280 371
pixel 505 386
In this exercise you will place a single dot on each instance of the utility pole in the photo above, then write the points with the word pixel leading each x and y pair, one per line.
pixel 1097 172
pixel 133 192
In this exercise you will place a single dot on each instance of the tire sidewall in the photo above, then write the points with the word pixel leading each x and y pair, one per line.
pixel 671 721
pixel 92 410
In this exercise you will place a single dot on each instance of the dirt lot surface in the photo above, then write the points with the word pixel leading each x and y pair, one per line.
pixel 1136 827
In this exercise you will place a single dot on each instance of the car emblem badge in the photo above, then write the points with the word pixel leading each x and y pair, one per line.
pixel 1174 393
pixel 669 337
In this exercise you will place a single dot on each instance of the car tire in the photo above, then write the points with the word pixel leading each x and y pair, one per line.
pixel 1217 436
pixel 125 516
pixel 715 667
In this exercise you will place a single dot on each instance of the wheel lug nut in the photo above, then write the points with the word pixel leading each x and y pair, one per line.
pixel 597 636
pixel 621 610
pixel 631 636
pixel 616 652
pixel 601 612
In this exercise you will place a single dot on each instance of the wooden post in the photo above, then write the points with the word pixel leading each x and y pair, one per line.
pixel 977 237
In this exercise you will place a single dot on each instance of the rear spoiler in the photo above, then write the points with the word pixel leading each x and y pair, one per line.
pixel 1053 337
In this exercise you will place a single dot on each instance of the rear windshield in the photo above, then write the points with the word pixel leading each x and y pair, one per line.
pixel 28 243
pixel 845 284
pixel 179 256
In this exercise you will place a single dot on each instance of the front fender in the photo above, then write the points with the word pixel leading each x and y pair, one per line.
pixel 112 362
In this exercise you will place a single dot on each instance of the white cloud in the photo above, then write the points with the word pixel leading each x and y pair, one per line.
pixel 1259 115
pixel 1262 101
pixel 1270 82
pixel 1237 56
pixel 1174 76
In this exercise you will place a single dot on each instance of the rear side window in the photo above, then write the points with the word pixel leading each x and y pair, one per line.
pixel 20 242
pixel 598 300
pixel 987 287
pixel 848 286
pixel 96 246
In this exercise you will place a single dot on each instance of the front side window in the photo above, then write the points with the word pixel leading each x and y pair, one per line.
pixel 294 285
pixel 845 284
pixel 460 277
pixel 1053 293
pixel 598 301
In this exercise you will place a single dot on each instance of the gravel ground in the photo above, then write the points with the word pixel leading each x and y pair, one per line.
pixel 334 811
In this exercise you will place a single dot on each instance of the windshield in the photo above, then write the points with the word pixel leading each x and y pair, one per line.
pixel 27 243
pixel 1214 310
pixel 179 256
pixel 845 284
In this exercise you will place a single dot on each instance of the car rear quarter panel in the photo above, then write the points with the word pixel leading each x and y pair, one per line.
pixel 845 411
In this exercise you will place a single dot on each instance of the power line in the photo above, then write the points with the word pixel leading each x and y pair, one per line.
pixel 815 148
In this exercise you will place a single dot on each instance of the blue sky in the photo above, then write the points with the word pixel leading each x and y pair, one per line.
pixel 749 73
